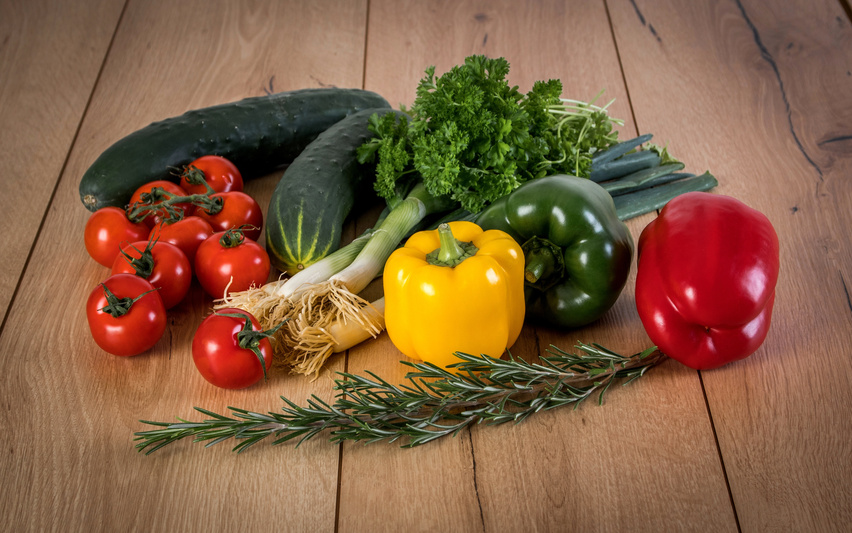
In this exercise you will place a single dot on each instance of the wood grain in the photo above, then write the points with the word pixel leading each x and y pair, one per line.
pixel 50 55
pixel 741 85
pixel 758 92
pixel 538 39
pixel 69 409
pixel 555 469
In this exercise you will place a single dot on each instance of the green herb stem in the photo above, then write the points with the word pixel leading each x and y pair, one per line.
pixel 433 402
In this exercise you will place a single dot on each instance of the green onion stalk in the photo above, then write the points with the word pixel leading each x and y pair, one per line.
pixel 272 303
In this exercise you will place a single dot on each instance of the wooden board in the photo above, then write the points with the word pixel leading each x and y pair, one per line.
pixel 756 92
pixel 486 469
pixel 50 55
pixel 69 437
pixel 745 105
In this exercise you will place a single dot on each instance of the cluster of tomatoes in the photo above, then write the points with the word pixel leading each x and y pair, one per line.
pixel 205 227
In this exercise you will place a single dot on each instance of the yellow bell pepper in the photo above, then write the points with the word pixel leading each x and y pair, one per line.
pixel 456 288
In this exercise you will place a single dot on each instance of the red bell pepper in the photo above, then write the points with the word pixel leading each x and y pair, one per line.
pixel 706 278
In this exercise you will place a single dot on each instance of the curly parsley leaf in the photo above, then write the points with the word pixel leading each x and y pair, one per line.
pixel 474 138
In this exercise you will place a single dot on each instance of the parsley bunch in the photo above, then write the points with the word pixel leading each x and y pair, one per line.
pixel 473 138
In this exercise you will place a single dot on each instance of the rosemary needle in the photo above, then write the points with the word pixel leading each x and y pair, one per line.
pixel 432 403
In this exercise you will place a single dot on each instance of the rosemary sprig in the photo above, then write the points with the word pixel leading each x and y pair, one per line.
pixel 433 402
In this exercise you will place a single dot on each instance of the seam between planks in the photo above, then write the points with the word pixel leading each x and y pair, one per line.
pixel 339 468
pixel 62 169
pixel 366 43
pixel 621 68
pixel 346 353
pixel 340 459
pixel 844 5
pixel 719 451
pixel 700 377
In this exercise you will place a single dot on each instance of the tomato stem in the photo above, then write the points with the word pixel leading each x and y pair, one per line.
pixel 118 307
pixel 195 176
pixel 207 203
pixel 249 339
pixel 144 264
pixel 158 200
pixel 235 236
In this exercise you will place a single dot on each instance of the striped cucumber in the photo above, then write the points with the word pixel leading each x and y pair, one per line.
pixel 257 134
pixel 317 193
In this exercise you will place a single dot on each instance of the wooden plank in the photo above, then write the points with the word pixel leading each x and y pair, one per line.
pixel 579 468
pixel 645 460
pixel 759 92
pixel 69 409
pixel 50 56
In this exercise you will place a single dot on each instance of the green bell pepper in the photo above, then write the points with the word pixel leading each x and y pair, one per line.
pixel 577 251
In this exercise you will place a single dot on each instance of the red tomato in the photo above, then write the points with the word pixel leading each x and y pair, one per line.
pixel 187 234
pixel 218 355
pixel 219 173
pixel 238 209
pixel 164 266
pixel 106 229
pixel 135 330
pixel 154 219
pixel 227 256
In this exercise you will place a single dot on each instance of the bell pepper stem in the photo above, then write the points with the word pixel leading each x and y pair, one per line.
pixel 538 266
pixel 543 262
pixel 450 250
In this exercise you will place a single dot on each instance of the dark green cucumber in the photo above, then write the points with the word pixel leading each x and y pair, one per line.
pixel 316 194
pixel 258 134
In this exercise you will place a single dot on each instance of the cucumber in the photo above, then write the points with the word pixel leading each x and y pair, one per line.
pixel 316 193
pixel 257 134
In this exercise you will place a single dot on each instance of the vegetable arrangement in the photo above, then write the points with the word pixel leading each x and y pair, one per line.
pixel 468 139
pixel 502 207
